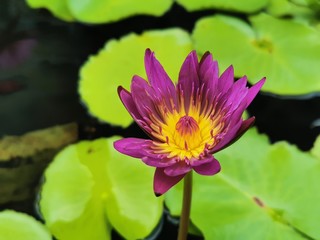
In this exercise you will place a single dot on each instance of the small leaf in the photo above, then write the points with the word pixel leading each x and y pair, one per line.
pixel 284 51
pixel 20 226
pixel 263 192
pixel 119 60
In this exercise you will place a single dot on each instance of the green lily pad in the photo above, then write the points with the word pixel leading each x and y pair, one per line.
pixel 285 7
pixel 132 207
pixel 263 192
pixel 119 60
pixel 86 193
pixel 101 11
pixel 246 6
pixel 284 51
pixel 20 226
pixel 59 8
pixel 67 197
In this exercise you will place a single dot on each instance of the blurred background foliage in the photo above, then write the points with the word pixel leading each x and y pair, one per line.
pixel 62 60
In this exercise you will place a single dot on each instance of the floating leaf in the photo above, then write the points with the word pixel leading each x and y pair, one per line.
pixel 67 201
pixel 247 6
pixel 59 8
pixel 132 206
pixel 101 11
pixel 86 191
pixel 286 7
pixel 20 226
pixel 119 60
pixel 263 192
pixel 285 51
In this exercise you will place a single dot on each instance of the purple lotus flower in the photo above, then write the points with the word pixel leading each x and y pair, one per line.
pixel 188 121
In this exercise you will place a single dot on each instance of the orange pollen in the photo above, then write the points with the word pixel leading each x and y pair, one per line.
pixel 187 126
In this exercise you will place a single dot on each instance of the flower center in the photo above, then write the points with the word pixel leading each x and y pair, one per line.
pixel 186 137
pixel 187 126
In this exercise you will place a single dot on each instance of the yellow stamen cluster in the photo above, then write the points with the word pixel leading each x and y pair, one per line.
pixel 185 135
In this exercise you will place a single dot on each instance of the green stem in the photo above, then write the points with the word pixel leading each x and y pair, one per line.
pixel 185 212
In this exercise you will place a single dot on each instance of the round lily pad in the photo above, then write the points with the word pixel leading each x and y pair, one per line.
pixel 119 60
pixel 90 188
pixel 263 192
pixel 246 6
pixel 20 226
pixel 284 51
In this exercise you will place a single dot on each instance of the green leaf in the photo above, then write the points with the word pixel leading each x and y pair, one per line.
pixel 119 60
pixel 69 195
pixel 263 192
pixel 315 151
pixel 20 226
pixel 246 6
pixel 286 7
pixel 101 11
pixel 285 51
pixel 132 207
pixel 89 188
pixel 59 8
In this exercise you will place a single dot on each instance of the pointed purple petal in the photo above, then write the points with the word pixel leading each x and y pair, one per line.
pixel 226 79
pixel 128 102
pixel 188 82
pixel 208 71
pixel 130 105
pixel 144 97
pixel 233 134
pixel 229 135
pixel 159 79
pixel 134 147
pixel 236 94
pixel 209 168
pixel 162 182
pixel 253 91
pixel 234 117
pixel 177 169
pixel 157 76
pixel 246 124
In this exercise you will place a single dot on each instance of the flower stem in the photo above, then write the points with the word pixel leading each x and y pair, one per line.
pixel 186 205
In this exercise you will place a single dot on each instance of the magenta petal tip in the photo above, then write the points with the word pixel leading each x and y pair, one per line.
pixel 162 182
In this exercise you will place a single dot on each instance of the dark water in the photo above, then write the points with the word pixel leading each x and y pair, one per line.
pixel 38 84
